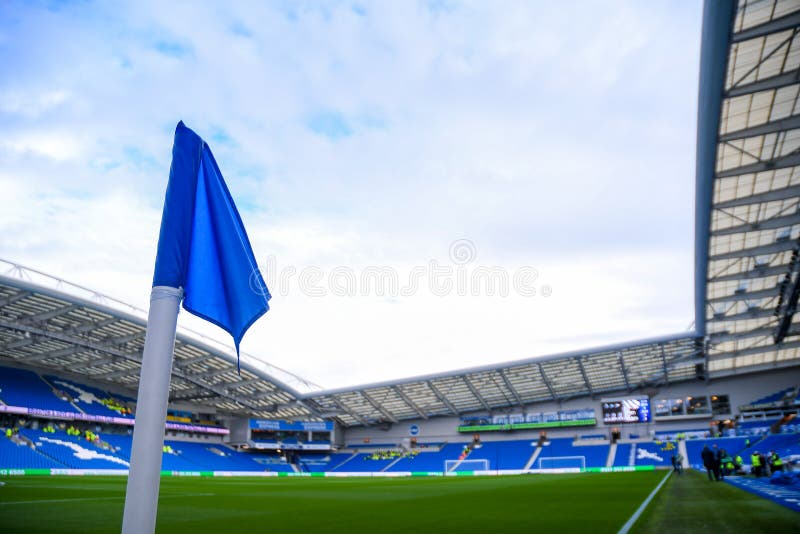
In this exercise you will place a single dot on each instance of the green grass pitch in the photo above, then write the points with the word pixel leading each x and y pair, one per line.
pixel 593 503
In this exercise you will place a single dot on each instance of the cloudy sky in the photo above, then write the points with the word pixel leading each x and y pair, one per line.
pixel 396 164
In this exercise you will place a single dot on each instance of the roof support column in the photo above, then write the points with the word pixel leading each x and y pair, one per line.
pixel 478 396
pixel 717 23
pixel 411 404
pixel 443 398
pixel 513 391
pixel 547 382
pixel 624 370
pixel 379 407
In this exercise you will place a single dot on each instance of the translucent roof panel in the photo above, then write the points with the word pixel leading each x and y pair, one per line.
pixel 754 237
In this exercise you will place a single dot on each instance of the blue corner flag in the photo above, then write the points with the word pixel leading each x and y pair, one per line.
pixel 203 247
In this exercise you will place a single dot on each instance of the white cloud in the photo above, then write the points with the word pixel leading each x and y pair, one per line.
pixel 59 146
pixel 32 105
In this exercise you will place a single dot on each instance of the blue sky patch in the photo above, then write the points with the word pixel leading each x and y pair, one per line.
pixel 330 124
pixel 241 30
pixel 139 159
pixel 172 49
pixel 219 136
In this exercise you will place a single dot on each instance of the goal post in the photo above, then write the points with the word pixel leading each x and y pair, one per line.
pixel 563 462
pixel 460 466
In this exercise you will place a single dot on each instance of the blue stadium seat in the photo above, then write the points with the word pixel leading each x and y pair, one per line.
pixel 20 456
pixel 623 455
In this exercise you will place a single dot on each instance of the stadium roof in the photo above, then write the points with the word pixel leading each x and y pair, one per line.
pixel 747 276
pixel 49 323
pixel 749 185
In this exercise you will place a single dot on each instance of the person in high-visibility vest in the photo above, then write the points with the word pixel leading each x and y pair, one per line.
pixel 777 463
pixel 737 464
pixel 755 459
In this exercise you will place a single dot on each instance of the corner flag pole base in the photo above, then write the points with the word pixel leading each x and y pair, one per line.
pixel 141 497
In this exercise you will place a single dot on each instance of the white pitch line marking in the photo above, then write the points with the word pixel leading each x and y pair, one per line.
pixel 627 526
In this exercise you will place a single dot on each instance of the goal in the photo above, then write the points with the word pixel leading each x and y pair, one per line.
pixel 460 466
pixel 563 462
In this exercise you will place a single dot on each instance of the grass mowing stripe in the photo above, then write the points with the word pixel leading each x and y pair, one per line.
pixel 115 498
pixel 627 526
pixel 692 503
pixel 51 501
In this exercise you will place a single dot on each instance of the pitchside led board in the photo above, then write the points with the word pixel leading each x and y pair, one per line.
pixel 627 411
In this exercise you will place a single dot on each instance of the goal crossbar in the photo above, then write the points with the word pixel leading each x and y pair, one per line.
pixel 563 462
pixel 451 466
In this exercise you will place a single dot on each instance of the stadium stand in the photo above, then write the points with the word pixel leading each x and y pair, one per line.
pixel 216 457
pixel 596 455
pixel 656 453
pixel 623 457
pixel 74 451
pixel 177 461
pixel 694 447
pixel 244 461
pixel 19 387
pixel 89 399
pixel 790 424
pixel 779 398
pixel 121 443
pixel 272 462
pixel 784 444
pixel 592 455
pixel 21 456
pixel 317 463
pixel 364 463
pixel 429 460
pixel 755 427
pixel 504 454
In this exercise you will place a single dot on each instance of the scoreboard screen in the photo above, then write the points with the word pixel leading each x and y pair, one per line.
pixel 627 411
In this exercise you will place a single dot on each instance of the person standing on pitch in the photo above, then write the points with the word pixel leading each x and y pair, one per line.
pixel 717 463
pixel 708 461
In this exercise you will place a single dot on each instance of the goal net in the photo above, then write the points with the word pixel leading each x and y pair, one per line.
pixel 563 462
pixel 460 466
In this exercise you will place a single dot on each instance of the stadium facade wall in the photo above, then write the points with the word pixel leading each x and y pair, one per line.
pixel 740 390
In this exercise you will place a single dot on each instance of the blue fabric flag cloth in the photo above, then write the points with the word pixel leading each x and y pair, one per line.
pixel 203 246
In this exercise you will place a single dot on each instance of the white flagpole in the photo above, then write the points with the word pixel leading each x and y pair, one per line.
pixel 141 497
